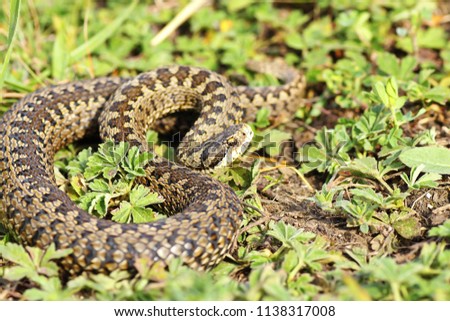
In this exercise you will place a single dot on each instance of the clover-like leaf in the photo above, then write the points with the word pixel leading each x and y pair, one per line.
pixel 106 160
pixel 135 161
pixel 286 233
pixel 31 262
pixel 136 210
pixel 79 164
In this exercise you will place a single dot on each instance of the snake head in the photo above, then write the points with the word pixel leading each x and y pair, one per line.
pixel 220 150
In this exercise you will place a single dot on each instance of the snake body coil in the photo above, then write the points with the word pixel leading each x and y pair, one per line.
pixel 209 213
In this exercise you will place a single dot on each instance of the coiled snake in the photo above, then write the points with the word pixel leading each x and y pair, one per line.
pixel 209 213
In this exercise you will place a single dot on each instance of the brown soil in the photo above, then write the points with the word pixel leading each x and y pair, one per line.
pixel 290 200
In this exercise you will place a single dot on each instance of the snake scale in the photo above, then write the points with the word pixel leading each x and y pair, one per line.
pixel 206 213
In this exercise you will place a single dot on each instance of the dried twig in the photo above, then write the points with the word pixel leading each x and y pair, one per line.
pixel 179 19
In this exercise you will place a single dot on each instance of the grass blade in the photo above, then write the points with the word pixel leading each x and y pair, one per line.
pixel 59 53
pixel 14 18
pixel 101 36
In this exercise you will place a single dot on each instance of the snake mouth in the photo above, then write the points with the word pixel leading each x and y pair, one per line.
pixel 236 146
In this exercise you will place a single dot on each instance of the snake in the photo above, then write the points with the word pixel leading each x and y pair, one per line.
pixel 204 215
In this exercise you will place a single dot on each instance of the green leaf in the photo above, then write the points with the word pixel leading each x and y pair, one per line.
pixel 402 69
pixel 239 175
pixel 236 5
pixel 135 210
pixel 286 233
pixel 275 139
pixel 424 74
pixel 362 211
pixel 295 41
pixel 386 269
pixel 368 194
pixel 438 94
pixel 141 196
pixel 59 54
pixel 392 88
pixel 52 289
pixel 408 228
pixel 262 118
pixel 258 258
pixel 290 261
pixel 135 161
pixel 441 230
pixel 79 164
pixel 17 254
pixel 329 153
pixel 99 185
pixel 366 166
pixel 95 203
pixel 53 254
pixel 14 14
pixel 434 38
pixel 78 183
pixel 317 32
pixel 428 180
pixel 106 161
pixel 407 66
pixel 151 137
pixel 400 102
pixel 380 91
pixel 123 214
pixel 388 63
pixel 31 262
pixel 434 159
pixel 142 215
pixel 310 255
pixel 271 141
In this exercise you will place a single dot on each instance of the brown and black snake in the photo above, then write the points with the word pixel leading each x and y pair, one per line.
pixel 206 214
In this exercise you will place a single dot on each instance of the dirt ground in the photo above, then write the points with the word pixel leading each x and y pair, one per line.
pixel 289 201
